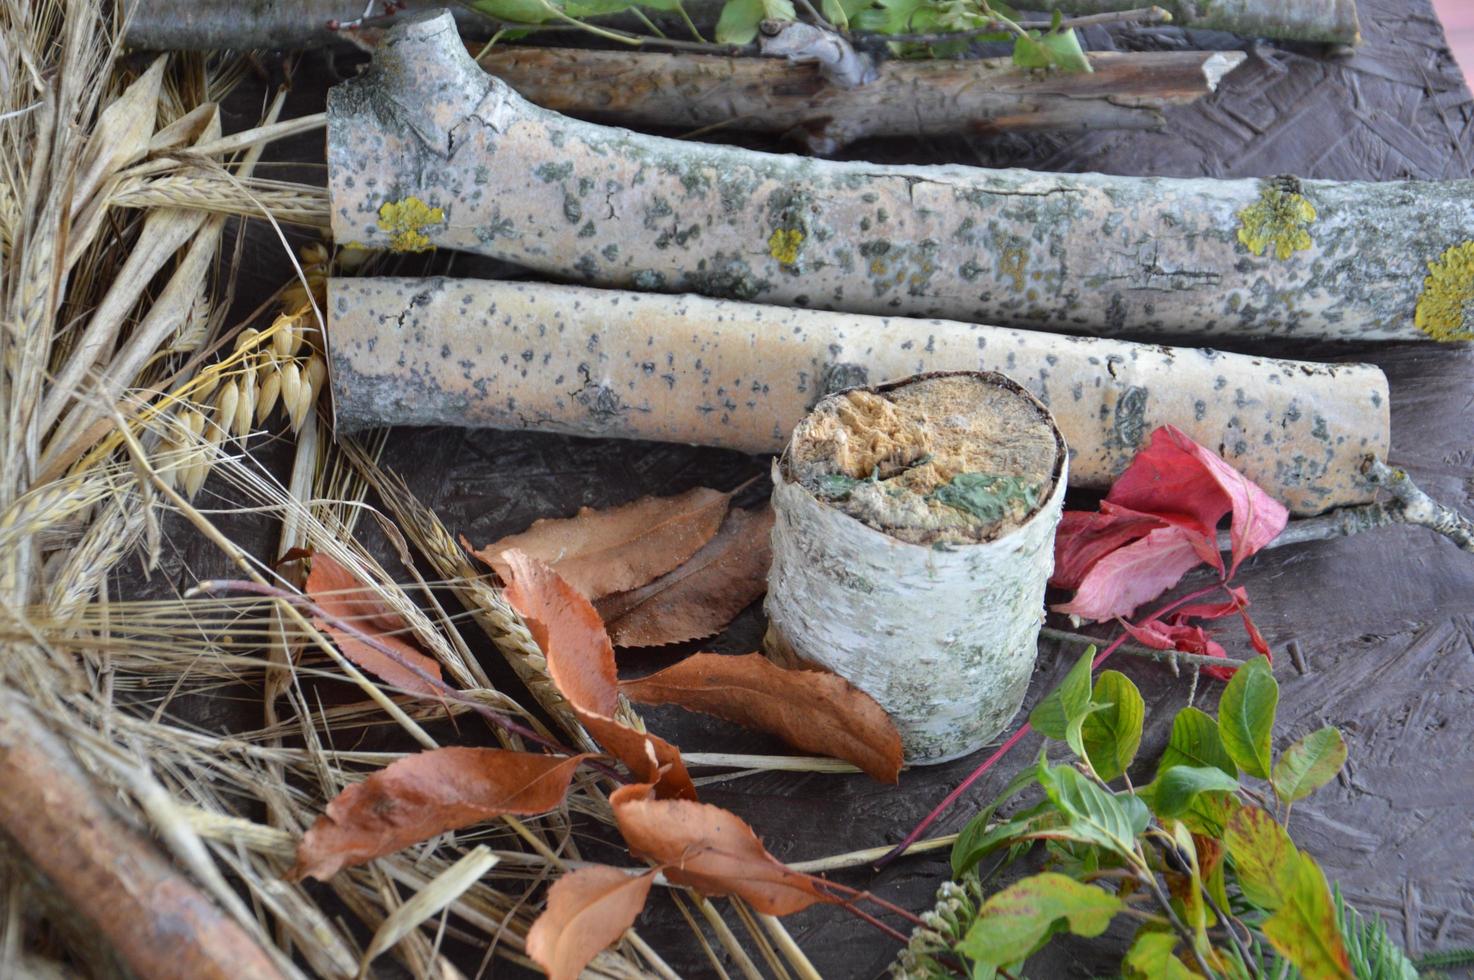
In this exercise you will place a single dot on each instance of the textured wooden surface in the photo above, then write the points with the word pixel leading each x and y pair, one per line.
pixel 1374 634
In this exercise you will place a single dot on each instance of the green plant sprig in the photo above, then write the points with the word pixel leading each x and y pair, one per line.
pixel 1200 857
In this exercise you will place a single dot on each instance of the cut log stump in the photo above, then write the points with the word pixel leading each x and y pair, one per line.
pixel 913 539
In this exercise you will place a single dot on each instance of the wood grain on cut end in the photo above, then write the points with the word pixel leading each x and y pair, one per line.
pixel 944 458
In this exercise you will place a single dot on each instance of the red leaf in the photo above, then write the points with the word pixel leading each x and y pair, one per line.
pixel 1085 537
pixel 581 665
pixel 711 850
pixel 422 795
pixel 588 909
pixel 341 594
pixel 1176 476
pixel 1129 576
pixel 809 709
pixel 1188 639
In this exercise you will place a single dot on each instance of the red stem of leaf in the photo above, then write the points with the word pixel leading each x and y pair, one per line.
pixel 1017 737
pixel 855 894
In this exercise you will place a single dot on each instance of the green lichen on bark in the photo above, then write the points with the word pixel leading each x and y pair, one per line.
pixel 989 497
pixel 1446 306
pixel 1279 220
pixel 405 223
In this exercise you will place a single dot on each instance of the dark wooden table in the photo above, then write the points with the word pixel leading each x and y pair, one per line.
pixel 1374 634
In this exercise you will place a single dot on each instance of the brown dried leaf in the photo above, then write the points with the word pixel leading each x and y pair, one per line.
pixel 711 850
pixel 701 596
pixel 600 552
pixel 809 709
pixel 588 910
pixel 341 594
pixel 581 665
pixel 426 794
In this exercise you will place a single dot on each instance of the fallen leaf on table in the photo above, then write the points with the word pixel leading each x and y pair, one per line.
pixel 809 709
pixel 600 552
pixel 701 596
pixel 711 850
pixel 426 794
pixel 581 665
pixel 341 594
pixel 587 910
pixel 1158 522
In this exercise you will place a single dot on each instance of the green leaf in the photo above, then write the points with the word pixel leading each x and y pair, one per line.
pixel 1113 734
pixel 1093 815
pixel 1195 742
pixel 1015 922
pixel 1051 717
pixel 738 21
pixel 1053 50
pixel 975 844
pixel 779 10
pixel 1246 716
pixel 514 11
pixel 1305 930
pixel 1178 788
pixel 1309 764
pixel 1262 854
pixel 1151 958
pixel 835 13
pixel 963 857
pixel 595 8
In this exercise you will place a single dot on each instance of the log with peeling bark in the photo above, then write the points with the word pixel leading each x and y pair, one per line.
pixel 913 537
pixel 160 924
pixel 909 98
pixel 1326 21
pixel 426 149
pixel 591 362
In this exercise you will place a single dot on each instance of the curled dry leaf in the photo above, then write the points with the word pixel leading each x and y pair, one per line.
pixel 581 665
pixel 426 794
pixel 697 599
pixel 600 552
pixel 809 709
pixel 341 594
pixel 587 910
pixel 711 850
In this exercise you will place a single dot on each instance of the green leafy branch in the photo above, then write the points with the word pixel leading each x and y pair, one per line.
pixel 1199 858
pixel 909 28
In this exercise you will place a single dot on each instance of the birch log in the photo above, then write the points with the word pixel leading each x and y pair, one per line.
pixel 590 362
pixel 928 593
pixel 206 24
pixel 909 98
pixel 425 149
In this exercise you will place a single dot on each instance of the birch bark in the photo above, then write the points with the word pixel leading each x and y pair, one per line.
pixel 425 149
pixel 943 637
pixel 606 363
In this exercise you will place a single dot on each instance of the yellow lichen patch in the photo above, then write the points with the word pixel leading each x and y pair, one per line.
pixel 784 244
pixel 1013 263
pixel 405 223
pixel 1278 220
pixel 1446 308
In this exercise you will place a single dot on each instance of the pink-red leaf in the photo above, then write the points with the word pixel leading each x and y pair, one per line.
pixel 1176 476
pixel 1085 537
pixel 341 594
pixel 711 850
pixel 587 910
pixel 581 665
pixel 426 794
pixel 809 709
pixel 1136 573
